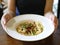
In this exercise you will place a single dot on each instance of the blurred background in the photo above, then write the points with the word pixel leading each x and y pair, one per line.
pixel 55 8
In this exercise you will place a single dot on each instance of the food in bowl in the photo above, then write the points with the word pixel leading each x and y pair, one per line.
pixel 29 27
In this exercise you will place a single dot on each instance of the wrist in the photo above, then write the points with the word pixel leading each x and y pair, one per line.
pixel 10 12
pixel 49 13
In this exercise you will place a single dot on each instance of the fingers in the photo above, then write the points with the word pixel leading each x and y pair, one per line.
pixel 56 22
pixel 5 18
pixel 53 18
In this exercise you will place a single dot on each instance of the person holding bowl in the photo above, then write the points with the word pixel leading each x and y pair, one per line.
pixel 41 7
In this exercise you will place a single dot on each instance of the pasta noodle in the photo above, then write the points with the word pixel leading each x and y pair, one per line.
pixel 29 27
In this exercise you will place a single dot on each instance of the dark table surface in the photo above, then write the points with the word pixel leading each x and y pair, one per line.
pixel 54 39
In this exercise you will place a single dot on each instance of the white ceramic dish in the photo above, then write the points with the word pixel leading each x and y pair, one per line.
pixel 48 27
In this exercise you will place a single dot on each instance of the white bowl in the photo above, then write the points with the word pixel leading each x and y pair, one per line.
pixel 47 23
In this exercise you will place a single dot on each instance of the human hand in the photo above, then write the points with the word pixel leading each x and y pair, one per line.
pixel 51 16
pixel 5 18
